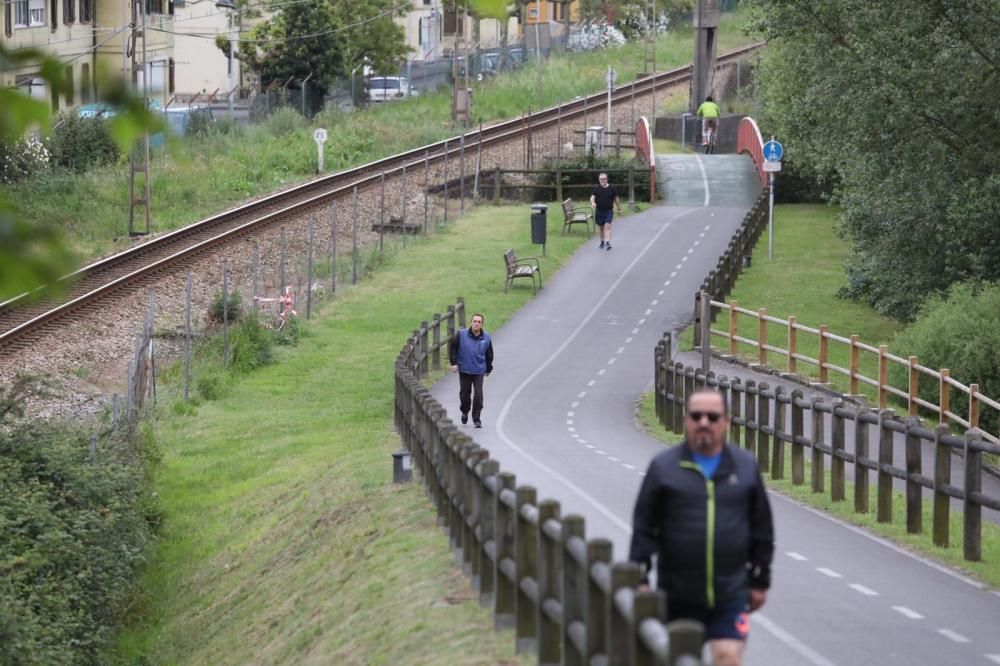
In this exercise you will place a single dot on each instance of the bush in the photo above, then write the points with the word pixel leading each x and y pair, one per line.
pixel 232 310
pixel 961 332
pixel 797 185
pixel 251 345
pixel 583 170
pixel 594 35
pixel 23 159
pixel 210 385
pixel 285 120
pixel 79 143
pixel 73 532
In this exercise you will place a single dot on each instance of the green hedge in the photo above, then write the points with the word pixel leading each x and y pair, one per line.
pixel 961 332
pixel 79 143
pixel 583 170
pixel 73 532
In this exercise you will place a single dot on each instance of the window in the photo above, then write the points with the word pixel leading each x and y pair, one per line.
pixel 8 19
pixel 36 12
pixel 69 84
pixel 170 76
pixel 53 19
pixel 453 23
pixel 20 13
pixel 154 7
pixel 86 11
pixel 69 11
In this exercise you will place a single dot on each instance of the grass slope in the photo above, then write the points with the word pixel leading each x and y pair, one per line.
pixel 284 540
pixel 211 173
pixel 802 280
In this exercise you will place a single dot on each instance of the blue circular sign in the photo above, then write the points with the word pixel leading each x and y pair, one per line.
pixel 773 151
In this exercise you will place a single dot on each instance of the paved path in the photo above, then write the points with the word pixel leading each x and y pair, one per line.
pixel 569 369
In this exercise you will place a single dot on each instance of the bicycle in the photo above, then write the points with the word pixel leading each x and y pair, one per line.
pixel 709 134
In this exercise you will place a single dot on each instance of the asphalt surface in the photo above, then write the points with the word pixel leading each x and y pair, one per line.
pixel 560 405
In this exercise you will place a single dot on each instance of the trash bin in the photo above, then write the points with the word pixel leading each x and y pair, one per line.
pixel 538 223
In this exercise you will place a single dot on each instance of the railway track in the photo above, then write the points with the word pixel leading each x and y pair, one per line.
pixel 21 319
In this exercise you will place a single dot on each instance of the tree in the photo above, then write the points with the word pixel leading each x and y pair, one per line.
pixel 324 39
pixel 896 100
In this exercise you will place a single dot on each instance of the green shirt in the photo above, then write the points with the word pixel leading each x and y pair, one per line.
pixel 709 110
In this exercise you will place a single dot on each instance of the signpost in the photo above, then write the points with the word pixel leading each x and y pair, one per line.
pixel 773 152
pixel 319 136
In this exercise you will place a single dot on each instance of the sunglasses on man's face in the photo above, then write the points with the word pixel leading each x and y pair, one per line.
pixel 713 417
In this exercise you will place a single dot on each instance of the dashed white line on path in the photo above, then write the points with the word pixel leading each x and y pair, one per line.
pixel 635 331
pixel 641 322
pixel 953 636
pixel 582 394
pixel 627 466
pixel 660 293
pixel 620 350
pixel 612 361
pixel 591 382
pixel 654 301
pixel 569 421
pixel 674 274
pixel 613 459
pixel 691 251
pixel 598 451
pixel 867 591
pixel 628 340
pixel 995 658
pixel 649 312
pixel 792 642
pixel 571 414
pixel 796 556
pixel 575 404
pixel 828 572
pixel 908 612
pixel 601 371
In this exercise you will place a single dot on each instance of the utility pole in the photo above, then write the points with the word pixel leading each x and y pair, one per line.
pixel 139 195
pixel 649 45
pixel 706 26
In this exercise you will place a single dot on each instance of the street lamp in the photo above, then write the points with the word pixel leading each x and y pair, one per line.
pixel 228 4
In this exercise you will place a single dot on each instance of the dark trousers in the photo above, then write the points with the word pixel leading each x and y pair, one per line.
pixel 466 383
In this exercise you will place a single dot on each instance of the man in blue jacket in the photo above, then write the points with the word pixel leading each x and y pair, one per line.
pixel 470 354
pixel 703 511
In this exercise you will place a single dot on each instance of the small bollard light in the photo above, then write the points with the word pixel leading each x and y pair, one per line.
pixel 746 261
pixel 402 471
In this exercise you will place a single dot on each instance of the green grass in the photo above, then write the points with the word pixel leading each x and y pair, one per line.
pixel 668 147
pixel 283 539
pixel 233 164
pixel 985 570
pixel 802 280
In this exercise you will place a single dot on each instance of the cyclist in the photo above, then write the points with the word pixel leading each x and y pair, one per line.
pixel 709 112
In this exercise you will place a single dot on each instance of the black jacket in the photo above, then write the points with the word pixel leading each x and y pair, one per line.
pixel 713 537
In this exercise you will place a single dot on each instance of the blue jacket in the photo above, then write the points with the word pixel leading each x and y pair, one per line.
pixel 472 354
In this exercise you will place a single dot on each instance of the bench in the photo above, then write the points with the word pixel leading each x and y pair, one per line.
pixel 578 215
pixel 521 268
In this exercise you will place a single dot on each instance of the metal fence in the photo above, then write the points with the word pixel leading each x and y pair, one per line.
pixel 561 593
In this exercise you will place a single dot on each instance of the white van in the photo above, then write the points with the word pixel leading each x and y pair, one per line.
pixel 388 88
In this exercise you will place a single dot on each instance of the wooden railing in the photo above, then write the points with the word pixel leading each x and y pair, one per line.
pixel 560 592
pixel 768 421
pixel 858 355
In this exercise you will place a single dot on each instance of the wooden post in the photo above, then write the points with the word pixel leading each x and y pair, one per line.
pixel 487 526
pixel 405 205
pixel 631 186
pixel 837 477
pixel 281 261
pixel 427 181
pixel 354 238
pixel 733 327
pixel 706 332
pixel 550 566
pixel 598 604
pixel 446 181
pixel 793 347
pixel 971 509
pixel 479 164
pixel 574 590
pixel 559 188
pixel 973 405
pixel 309 266
pixel 333 247
pixel 503 536
pixel 942 477
pixel 381 212
pixel 824 358
pixel 496 186
pixel 526 560
pixel 860 471
pixel 778 444
pixel 623 575
pixel 798 430
pixel 763 420
pixel 944 395
pixel 437 341
pixel 883 376
pixel 254 269
pixel 854 365
pixel 187 345
pixel 750 411
pixel 735 400
pixel 679 398
pixel 648 604
pixel 424 347
pixel 762 335
pixel 884 513
pixel 461 175
pixel 225 311
pixel 914 494
pixel 913 388
pixel 818 461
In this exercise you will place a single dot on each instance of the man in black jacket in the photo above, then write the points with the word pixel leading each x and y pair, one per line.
pixel 703 511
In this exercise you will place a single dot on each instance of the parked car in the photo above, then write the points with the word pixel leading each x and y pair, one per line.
pixel 388 88
pixel 490 65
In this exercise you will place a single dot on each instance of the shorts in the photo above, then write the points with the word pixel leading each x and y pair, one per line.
pixel 729 620
pixel 602 217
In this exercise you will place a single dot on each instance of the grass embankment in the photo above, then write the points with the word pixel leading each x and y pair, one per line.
pixel 284 540
pixel 802 280
pixel 232 164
